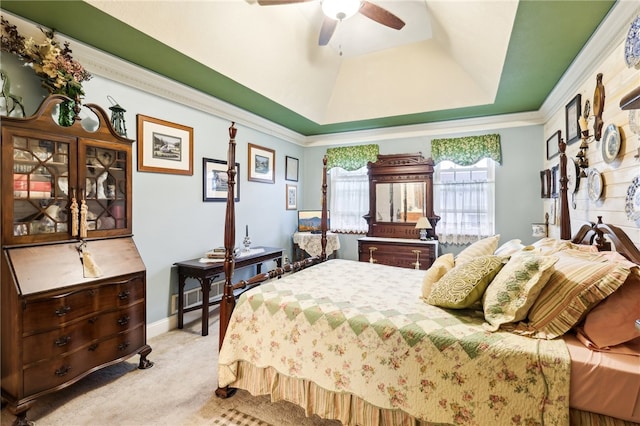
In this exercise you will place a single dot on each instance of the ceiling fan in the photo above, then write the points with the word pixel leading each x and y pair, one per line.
pixel 338 10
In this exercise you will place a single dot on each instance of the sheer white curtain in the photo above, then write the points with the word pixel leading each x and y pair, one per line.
pixel 348 200
pixel 464 198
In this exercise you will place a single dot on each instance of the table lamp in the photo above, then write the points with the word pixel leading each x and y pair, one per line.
pixel 423 224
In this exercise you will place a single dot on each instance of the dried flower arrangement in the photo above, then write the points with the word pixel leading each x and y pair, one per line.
pixel 59 72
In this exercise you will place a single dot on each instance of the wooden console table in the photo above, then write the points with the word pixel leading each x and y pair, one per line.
pixel 206 272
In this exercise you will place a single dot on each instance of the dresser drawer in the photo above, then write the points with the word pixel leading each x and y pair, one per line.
pixel 396 254
pixel 59 370
pixel 77 334
pixel 51 312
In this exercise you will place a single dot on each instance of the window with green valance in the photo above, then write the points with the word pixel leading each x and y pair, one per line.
pixel 352 157
pixel 467 150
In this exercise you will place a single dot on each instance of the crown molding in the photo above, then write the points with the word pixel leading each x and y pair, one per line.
pixel 427 130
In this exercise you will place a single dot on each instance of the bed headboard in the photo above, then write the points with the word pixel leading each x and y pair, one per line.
pixel 602 235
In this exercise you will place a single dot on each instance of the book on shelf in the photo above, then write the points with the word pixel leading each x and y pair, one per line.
pixel 20 183
pixel 32 194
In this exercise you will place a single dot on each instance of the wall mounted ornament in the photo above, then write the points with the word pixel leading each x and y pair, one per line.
pixel 598 107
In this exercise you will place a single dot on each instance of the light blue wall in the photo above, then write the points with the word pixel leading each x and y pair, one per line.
pixel 170 221
pixel 518 201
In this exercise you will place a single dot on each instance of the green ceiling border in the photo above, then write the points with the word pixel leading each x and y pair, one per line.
pixel 535 59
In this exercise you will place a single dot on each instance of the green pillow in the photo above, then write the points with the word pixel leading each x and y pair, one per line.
pixel 516 287
pixel 465 284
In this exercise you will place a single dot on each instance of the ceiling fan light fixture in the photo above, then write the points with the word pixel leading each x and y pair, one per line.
pixel 340 9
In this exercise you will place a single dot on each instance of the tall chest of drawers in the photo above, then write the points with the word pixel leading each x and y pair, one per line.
pixel 66 200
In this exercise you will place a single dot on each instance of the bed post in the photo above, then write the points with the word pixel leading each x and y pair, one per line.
pixel 323 220
pixel 228 300
pixel 565 220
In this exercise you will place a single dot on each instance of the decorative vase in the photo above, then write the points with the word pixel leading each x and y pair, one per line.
pixel 66 113
pixel 22 83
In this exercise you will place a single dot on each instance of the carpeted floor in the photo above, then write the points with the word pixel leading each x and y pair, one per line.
pixel 177 390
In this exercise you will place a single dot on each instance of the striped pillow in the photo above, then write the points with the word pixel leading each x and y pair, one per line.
pixel 484 247
pixel 576 286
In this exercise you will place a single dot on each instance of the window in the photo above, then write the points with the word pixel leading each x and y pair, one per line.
pixel 464 199
pixel 348 199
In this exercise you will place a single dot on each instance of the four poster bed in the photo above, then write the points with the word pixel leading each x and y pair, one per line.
pixel 354 341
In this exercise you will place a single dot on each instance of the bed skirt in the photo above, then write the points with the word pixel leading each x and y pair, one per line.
pixel 349 409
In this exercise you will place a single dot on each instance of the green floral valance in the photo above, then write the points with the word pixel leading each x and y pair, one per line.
pixel 352 157
pixel 467 150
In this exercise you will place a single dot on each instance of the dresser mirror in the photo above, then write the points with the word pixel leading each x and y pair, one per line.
pixel 400 193
pixel 400 202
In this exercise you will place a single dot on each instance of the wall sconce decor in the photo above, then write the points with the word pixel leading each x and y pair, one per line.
pixel 117 117
pixel 423 224
pixel 583 161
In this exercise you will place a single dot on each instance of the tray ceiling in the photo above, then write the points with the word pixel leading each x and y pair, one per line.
pixel 452 60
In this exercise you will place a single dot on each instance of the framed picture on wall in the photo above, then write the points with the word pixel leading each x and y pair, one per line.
pixel 164 147
pixel 292 197
pixel 552 145
pixel 291 168
pixel 572 115
pixel 215 180
pixel 261 164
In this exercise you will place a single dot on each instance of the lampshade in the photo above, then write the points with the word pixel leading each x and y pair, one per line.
pixel 423 223
pixel 340 9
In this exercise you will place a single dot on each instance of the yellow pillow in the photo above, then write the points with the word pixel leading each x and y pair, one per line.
pixel 485 247
pixel 441 266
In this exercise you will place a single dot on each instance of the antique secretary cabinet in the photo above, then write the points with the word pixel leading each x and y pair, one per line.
pixel 71 303
pixel 400 193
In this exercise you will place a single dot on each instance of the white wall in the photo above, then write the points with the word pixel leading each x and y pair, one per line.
pixel 618 80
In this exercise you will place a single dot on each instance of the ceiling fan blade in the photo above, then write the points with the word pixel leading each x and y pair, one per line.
pixel 381 15
pixel 279 2
pixel 326 31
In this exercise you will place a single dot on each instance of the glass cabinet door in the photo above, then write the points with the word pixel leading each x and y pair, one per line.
pixel 105 181
pixel 41 176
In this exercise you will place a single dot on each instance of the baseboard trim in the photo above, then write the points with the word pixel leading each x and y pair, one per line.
pixel 163 326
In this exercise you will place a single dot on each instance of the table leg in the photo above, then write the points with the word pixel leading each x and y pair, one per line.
pixel 181 282
pixel 206 286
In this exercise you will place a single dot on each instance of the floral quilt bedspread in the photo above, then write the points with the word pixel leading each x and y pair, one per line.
pixel 362 328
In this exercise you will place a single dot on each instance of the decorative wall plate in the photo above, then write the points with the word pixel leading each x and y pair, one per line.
pixel 632 202
pixel 632 45
pixel 594 185
pixel 572 176
pixel 610 143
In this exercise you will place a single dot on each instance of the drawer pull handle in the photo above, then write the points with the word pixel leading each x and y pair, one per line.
pixel 417 262
pixel 63 311
pixel 123 346
pixel 61 341
pixel 62 371
pixel 123 295
pixel 124 320
pixel 371 250
pixel 93 347
pixel 93 320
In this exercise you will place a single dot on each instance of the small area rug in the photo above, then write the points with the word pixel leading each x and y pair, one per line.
pixel 234 417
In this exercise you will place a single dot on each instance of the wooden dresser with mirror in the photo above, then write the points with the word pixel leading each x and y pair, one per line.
pixel 73 282
pixel 400 193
